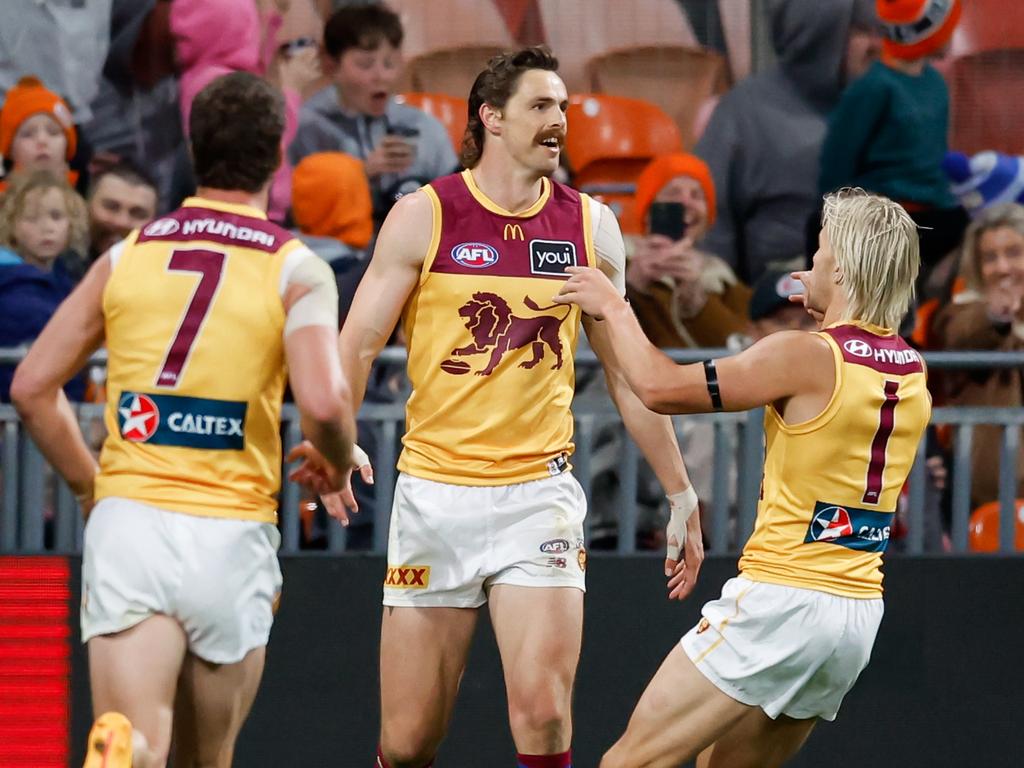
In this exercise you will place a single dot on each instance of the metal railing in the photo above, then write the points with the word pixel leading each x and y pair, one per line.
pixel 38 513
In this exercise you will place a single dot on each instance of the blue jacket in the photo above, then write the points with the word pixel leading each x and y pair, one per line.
pixel 28 298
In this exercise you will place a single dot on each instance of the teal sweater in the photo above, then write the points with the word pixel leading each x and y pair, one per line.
pixel 888 135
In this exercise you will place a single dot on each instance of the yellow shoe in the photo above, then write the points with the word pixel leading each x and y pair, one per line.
pixel 110 742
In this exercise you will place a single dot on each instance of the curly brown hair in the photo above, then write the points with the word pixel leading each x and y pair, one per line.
pixel 12 205
pixel 235 129
pixel 495 86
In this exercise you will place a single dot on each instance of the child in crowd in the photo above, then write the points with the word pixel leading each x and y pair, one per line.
pixel 36 131
pixel 43 223
pixel 888 133
pixel 212 39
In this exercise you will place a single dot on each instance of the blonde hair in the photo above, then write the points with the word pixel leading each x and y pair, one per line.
pixel 876 248
pixel 1008 215
pixel 12 205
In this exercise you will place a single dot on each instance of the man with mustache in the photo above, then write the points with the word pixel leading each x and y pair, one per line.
pixel 486 509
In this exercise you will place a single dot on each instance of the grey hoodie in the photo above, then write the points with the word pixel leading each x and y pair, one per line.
pixel 764 137
pixel 325 127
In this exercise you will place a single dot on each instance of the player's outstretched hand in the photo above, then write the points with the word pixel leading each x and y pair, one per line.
pixel 333 487
pixel 591 289
pixel 339 504
pixel 685 544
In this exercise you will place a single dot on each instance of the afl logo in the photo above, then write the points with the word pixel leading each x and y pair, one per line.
pixel 831 523
pixel 161 228
pixel 858 348
pixel 138 416
pixel 475 255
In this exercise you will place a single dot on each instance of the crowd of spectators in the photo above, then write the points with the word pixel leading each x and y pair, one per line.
pixel 93 134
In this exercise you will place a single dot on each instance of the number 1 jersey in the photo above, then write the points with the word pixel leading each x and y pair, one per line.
pixel 195 336
pixel 831 484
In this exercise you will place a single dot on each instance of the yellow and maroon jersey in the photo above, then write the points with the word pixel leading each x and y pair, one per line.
pixel 490 354
pixel 194 328
pixel 831 484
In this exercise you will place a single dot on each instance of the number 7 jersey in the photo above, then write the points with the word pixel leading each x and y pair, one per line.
pixel 831 484
pixel 196 371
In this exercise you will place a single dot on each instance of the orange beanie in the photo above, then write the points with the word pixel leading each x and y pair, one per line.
pixel 917 28
pixel 30 97
pixel 661 170
pixel 331 198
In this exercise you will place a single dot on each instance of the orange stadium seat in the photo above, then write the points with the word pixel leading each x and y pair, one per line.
pixel 447 42
pixel 677 78
pixel 649 53
pixel 986 79
pixel 450 111
pixel 983 533
pixel 610 140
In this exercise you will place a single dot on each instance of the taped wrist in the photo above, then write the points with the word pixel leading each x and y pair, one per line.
pixel 683 504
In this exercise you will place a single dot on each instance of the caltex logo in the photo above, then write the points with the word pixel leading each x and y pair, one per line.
pixel 831 523
pixel 139 417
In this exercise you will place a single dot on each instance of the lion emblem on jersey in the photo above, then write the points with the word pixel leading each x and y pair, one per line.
pixel 496 331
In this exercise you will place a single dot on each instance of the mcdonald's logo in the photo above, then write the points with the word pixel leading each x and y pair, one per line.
pixel 513 232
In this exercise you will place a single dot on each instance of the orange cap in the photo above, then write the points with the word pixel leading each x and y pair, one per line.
pixel 917 28
pixel 30 97
pixel 331 198
pixel 661 170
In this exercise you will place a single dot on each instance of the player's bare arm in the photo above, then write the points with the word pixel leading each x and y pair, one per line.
pixel 390 277
pixel 74 332
pixel 321 392
pixel 653 434
pixel 792 369
pixel 398 255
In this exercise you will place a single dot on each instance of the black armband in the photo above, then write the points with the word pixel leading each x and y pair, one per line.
pixel 712 378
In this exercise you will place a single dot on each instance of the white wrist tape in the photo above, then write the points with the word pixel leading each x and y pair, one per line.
pixel 681 506
pixel 359 457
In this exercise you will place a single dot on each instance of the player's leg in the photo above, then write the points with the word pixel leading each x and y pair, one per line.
pixel 213 702
pixel 135 672
pixel 422 656
pixel 757 741
pixel 539 631
pixel 679 714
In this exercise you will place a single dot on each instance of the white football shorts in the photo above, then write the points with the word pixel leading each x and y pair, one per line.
pixel 789 651
pixel 449 544
pixel 219 578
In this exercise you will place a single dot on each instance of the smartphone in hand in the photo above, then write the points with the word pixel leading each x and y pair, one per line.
pixel 668 219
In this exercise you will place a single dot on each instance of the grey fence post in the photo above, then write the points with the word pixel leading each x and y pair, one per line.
pixel 961 478
pixel 582 462
pixel 1008 488
pixel 627 494
pixel 11 479
pixel 33 470
pixel 384 481
pixel 915 511
pixel 289 509
pixel 750 471
pixel 720 490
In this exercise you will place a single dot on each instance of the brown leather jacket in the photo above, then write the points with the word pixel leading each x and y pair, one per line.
pixel 965 324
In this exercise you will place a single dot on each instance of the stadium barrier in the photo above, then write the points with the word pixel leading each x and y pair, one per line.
pixel 38 513
pixel 942 688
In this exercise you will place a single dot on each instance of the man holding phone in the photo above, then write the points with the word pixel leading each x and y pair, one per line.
pixel 682 296
pixel 401 147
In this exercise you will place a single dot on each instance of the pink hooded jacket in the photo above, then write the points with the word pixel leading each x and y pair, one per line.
pixel 213 38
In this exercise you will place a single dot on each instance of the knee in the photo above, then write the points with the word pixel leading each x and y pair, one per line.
pixel 409 747
pixel 544 710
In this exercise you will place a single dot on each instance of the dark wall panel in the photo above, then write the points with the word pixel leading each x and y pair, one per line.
pixel 945 686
